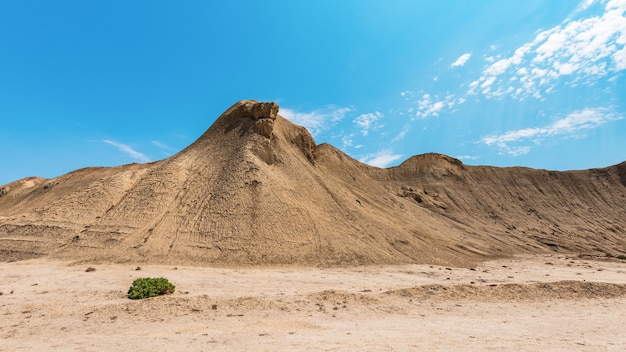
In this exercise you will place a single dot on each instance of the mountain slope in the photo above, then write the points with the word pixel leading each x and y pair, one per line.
pixel 256 189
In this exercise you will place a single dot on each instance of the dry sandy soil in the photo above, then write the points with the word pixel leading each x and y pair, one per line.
pixel 547 302
pixel 277 243
pixel 255 189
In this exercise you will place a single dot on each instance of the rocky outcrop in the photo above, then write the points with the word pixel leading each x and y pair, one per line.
pixel 256 110
pixel 263 113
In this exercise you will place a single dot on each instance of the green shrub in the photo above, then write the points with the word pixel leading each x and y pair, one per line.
pixel 147 287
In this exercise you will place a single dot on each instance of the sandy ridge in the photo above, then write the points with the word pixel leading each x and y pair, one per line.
pixel 255 189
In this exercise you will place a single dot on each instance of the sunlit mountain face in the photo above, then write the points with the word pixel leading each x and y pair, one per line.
pixel 530 83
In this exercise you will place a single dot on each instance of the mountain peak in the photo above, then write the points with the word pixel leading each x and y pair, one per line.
pixel 256 189
pixel 263 113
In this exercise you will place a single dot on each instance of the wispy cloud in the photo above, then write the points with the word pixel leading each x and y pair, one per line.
pixel 381 158
pixel 400 136
pixel 367 122
pixel 128 150
pixel 461 60
pixel 571 125
pixel 318 120
pixel 162 145
pixel 579 51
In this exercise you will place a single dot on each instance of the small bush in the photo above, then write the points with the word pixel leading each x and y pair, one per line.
pixel 147 287
pixel 90 269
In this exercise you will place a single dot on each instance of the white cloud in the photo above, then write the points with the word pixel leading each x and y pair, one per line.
pixel 620 60
pixel 461 60
pixel 516 151
pixel 318 120
pixel 567 126
pixel 436 107
pixel 366 122
pixel 566 68
pixel 488 82
pixel 467 157
pixel 585 4
pixel 382 158
pixel 128 150
pixel 346 140
pixel 578 50
pixel 433 105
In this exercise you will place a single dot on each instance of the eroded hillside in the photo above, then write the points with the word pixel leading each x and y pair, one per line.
pixel 256 189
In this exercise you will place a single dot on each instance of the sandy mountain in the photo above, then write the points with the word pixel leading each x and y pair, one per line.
pixel 256 189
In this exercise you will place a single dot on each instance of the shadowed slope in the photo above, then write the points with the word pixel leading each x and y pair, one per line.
pixel 519 209
pixel 255 188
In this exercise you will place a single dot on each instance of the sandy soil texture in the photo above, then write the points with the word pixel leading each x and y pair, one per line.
pixel 547 303
pixel 256 189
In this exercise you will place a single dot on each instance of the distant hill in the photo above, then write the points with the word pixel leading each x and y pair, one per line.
pixel 255 189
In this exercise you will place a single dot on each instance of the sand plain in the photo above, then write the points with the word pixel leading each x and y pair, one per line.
pixel 527 303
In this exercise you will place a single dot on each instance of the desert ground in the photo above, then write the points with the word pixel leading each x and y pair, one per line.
pixel 541 302
pixel 276 243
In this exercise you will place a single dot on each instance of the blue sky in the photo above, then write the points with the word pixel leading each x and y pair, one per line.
pixel 531 83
